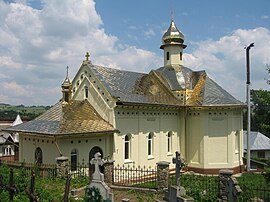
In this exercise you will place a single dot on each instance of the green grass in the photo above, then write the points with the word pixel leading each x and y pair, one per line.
pixel 9 112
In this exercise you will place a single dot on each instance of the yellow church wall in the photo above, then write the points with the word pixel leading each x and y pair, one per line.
pixel 51 147
pixel 138 123
pixel 212 138
pixel 195 136
pixel 28 145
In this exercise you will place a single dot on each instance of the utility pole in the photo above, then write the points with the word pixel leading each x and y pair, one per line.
pixel 248 103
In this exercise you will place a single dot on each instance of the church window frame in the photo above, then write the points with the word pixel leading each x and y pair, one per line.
pixel 150 145
pixel 38 156
pixel 181 56
pixel 86 92
pixel 169 142
pixel 74 154
pixel 237 141
pixel 168 55
pixel 127 147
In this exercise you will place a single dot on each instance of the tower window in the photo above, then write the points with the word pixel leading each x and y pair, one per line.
pixel 181 55
pixel 168 55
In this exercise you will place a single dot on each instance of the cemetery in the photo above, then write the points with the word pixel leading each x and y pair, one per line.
pixel 107 182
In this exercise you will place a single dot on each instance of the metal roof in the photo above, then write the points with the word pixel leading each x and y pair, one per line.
pixel 258 141
pixel 133 87
pixel 75 118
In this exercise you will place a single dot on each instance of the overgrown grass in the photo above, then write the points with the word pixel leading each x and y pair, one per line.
pixel 47 189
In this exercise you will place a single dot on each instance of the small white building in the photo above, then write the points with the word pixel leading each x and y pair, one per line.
pixel 9 142
pixel 140 119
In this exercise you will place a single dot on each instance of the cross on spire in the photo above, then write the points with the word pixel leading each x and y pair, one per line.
pixel 172 15
pixel 87 56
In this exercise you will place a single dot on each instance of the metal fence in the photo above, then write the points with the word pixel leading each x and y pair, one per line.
pixel 41 170
pixel 259 194
pixel 48 170
pixel 135 176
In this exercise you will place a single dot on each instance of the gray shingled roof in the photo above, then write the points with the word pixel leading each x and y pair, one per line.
pixel 216 95
pixel 124 85
pixel 75 118
pixel 132 87
pixel 258 141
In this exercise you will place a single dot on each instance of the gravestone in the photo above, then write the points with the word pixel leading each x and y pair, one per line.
pixel 176 192
pixel 98 190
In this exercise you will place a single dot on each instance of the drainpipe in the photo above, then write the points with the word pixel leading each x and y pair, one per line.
pixel 248 103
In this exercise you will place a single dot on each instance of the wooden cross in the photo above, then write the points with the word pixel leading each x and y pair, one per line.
pixel 87 56
pixel 97 161
pixel 178 164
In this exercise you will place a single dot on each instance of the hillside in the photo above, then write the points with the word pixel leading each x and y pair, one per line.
pixel 27 113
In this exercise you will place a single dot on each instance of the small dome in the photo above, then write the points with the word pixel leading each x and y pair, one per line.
pixel 172 35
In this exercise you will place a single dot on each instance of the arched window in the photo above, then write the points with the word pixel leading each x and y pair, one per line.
pixel 85 92
pixel 181 55
pixel 169 142
pixel 236 141
pixel 127 147
pixel 38 155
pixel 168 55
pixel 150 144
pixel 74 159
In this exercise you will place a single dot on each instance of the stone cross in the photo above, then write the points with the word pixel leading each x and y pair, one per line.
pixel 97 161
pixel 178 164
pixel 87 56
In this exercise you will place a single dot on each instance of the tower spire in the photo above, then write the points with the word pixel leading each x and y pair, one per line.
pixel 66 89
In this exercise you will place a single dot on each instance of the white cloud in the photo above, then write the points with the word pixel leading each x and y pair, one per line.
pixel 225 59
pixel 37 45
pixel 149 33
pixel 265 17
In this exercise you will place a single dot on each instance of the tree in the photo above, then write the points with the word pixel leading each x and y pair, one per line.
pixel 261 111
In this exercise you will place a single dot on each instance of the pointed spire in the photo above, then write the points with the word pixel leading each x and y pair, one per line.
pixel 66 88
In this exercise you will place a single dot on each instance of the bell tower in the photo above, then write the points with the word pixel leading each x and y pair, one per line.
pixel 173 46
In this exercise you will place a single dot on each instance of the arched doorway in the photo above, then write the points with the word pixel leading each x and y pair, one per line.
pixel 92 152
pixel 38 155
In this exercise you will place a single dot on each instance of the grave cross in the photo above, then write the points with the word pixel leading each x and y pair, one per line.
pixel 97 161
pixel 178 164
pixel 11 187
pixel 31 192
pixel 67 187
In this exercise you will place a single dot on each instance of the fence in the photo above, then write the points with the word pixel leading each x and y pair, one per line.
pixel 42 170
pixel 254 194
pixel 137 177
pixel 48 170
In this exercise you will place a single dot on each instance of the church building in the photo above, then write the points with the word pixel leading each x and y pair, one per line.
pixel 140 119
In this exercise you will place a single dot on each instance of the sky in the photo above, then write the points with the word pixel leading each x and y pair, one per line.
pixel 40 38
